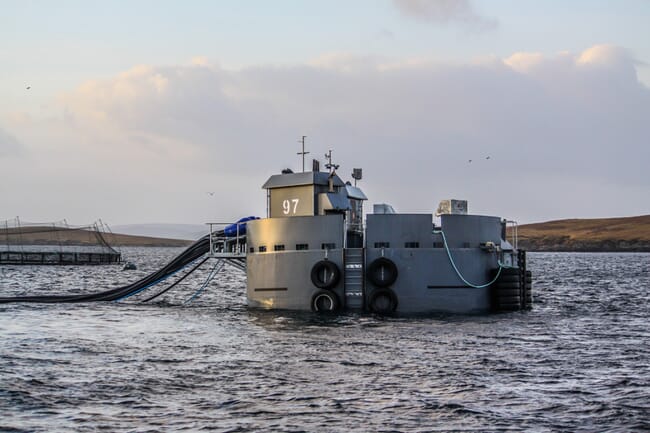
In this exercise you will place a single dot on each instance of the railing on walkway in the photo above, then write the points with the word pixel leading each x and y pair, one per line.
pixel 227 240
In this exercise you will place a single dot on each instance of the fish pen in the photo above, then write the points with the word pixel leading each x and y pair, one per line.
pixel 55 243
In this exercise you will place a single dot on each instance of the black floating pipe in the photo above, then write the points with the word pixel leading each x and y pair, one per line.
pixel 193 252
pixel 176 282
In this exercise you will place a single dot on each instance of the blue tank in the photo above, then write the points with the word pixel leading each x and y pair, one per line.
pixel 231 230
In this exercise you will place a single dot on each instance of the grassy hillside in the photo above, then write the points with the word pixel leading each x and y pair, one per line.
pixel 64 236
pixel 602 234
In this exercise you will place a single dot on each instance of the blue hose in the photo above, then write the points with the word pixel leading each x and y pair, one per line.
pixel 211 275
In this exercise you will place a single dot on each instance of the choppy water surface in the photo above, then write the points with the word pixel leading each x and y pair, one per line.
pixel 578 362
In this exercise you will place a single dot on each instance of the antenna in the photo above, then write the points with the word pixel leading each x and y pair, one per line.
pixel 331 167
pixel 303 153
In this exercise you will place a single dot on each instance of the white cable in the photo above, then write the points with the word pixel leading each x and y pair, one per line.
pixel 451 260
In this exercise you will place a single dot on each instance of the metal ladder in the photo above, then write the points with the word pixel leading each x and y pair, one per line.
pixel 353 262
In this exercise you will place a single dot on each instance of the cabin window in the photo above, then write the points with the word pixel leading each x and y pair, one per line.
pixel 302 246
pixel 328 246
pixel 465 244
pixel 438 245
pixel 411 245
pixel 252 249
pixel 382 244
pixel 262 248
pixel 278 247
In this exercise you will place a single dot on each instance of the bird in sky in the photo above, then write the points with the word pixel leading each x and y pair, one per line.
pixel 469 160
pixel 487 157
pixel 29 87
pixel 210 193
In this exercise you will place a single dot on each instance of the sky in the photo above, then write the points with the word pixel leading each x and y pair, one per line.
pixel 177 112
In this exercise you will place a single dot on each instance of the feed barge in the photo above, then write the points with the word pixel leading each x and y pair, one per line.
pixel 314 251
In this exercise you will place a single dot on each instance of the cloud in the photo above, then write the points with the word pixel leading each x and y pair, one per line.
pixel 524 62
pixel 9 145
pixel 445 12
pixel 566 135
pixel 200 61
pixel 605 55
pixel 385 34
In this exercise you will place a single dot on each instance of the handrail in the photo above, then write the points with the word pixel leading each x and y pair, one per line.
pixel 515 234
pixel 239 238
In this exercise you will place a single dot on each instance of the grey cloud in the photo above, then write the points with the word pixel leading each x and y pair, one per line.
pixel 557 129
pixel 9 145
pixel 444 12
pixel 385 34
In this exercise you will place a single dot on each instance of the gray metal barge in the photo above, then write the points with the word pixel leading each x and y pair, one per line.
pixel 314 251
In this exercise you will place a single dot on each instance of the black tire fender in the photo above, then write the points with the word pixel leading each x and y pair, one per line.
pixel 325 274
pixel 325 300
pixel 509 307
pixel 510 272
pixel 513 279
pixel 504 292
pixel 382 272
pixel 383 301
pixel 507 285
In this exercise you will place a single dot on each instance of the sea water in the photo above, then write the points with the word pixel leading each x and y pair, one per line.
pixel 579 361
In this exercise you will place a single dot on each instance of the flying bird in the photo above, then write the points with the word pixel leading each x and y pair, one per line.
pixel 29 87
pixel 469 161
pixel 487 157
pixel 210 193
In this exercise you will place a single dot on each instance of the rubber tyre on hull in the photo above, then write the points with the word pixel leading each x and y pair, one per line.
pixel 382 272
pixel 508 285
pixel 325 274
pixel 528 300
pixel 382 301
pixel 512 299
pixel 506 292
pixel 509 272
pixel 528 291
pixel 507 300
pixel 509 279
pixel 325 301
pixel 509 306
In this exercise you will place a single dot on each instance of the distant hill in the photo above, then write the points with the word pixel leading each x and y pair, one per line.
pixel 169 231
pixel 602 234
pixel 144 241
pixel 36 235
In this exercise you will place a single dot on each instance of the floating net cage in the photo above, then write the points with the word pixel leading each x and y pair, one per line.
pixel 55 243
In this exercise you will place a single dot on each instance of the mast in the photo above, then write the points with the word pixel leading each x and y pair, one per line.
pixel 303 153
